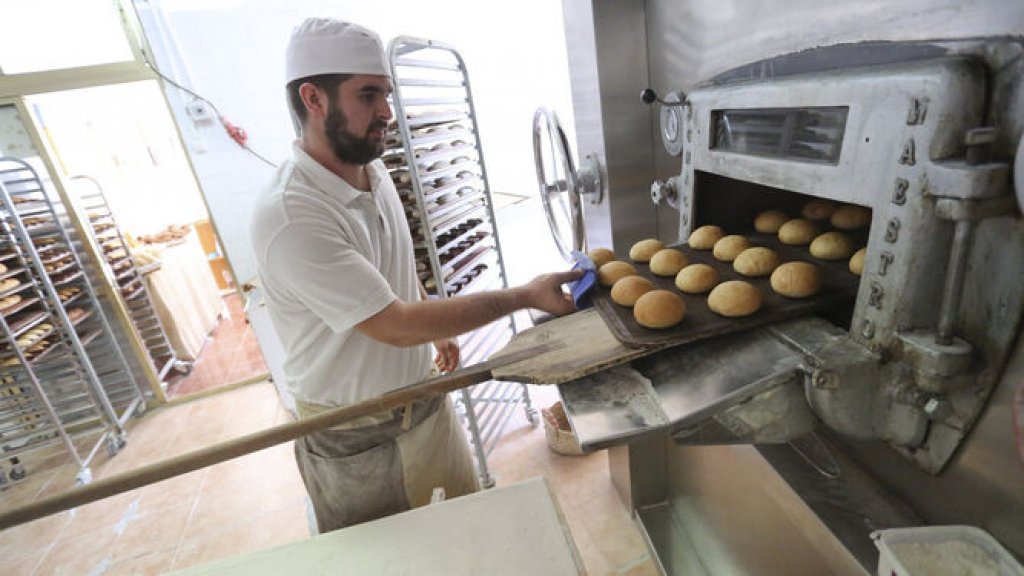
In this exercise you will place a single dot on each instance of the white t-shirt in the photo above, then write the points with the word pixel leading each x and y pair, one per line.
pixel 330 256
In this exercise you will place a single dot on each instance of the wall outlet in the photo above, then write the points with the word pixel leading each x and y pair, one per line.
pixel 200 112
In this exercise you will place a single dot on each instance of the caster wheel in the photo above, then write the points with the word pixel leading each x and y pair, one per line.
pixel 531 416
pixel 140 409
pixel 115 443
pixel 83 477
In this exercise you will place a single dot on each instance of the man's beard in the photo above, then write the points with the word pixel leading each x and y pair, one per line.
pixel 348 147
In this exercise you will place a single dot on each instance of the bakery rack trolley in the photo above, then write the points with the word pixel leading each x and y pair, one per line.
pixel 128 276
pixel 436 162
pixel 65 368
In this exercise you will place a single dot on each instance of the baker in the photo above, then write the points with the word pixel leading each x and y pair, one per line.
pixel 335 259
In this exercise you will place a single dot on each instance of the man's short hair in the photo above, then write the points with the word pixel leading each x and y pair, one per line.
pixel 326 82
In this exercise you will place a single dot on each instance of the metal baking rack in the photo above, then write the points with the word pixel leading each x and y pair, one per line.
pixel 128 276
pixel 63 377
pixel 448 201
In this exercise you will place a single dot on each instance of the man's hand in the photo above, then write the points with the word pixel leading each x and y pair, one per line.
pixel 447 358
pixel 545 292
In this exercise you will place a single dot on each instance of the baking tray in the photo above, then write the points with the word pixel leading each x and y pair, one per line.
pixel 838 287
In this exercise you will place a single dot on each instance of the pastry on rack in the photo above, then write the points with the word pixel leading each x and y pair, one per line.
pixel 857 261
pixel 729 247
pixel 628 290
pixel 756 261
pixel 851 217
pixel 601 256
pixel 659 309
pixel 613 271
pixel 643 250
pixel 8 301
pixel 796 279
pixel 734 299
pixel 833 246
pixel 818 209
pixel 9 284
pixel 668 262
pixel 798 232
pixel 770 221
pixel 697 278
pixel 704 238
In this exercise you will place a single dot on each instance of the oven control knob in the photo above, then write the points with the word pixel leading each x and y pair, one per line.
pixel 666 192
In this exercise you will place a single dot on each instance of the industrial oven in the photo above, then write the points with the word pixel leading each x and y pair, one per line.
pixel 778 450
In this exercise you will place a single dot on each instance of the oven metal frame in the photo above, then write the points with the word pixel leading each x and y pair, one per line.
pixel 856 383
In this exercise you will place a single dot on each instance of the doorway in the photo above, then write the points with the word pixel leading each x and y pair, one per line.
pixel 117 148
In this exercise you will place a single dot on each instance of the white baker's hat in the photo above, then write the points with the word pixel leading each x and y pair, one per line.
pixel 329 46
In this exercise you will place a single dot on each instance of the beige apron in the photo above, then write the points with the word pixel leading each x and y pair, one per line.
pixel 385 463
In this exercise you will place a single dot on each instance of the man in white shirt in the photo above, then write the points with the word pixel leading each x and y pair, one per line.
pixel 336 261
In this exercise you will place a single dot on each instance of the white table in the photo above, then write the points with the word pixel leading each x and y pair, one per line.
pixel 513 530
pixel 185 295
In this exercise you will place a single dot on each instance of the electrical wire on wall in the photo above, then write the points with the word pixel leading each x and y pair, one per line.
pixel 236 133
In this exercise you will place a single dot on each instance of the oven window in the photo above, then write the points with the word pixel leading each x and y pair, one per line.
pixel 801 134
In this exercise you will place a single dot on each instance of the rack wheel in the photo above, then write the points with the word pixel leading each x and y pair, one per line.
pixel 183 366
pixel 116 442
pixel 531 416
pixel 83 477
pixel 140 409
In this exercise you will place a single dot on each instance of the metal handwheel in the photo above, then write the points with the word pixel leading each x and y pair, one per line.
pixel 561 185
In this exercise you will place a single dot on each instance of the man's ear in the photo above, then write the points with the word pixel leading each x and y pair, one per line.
pixel 315 100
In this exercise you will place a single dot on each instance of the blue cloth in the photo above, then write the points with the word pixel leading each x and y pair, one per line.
pixel 580 289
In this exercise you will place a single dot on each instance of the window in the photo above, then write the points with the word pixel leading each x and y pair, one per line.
pixel 40 35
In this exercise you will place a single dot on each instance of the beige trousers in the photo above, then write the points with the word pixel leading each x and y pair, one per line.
pixel 385 463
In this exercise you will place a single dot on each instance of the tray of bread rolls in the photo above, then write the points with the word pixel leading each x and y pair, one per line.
pixel 720 282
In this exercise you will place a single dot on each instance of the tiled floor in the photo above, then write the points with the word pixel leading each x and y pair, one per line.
pixel 258 501
pixel 231 355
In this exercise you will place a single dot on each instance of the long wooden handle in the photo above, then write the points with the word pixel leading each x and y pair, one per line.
pixel 243 445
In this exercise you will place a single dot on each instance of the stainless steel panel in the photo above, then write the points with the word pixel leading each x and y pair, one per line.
pixel 611 407
pixel 984 484
pixel 745 519
pixel 684 386
pixel 607 48
pixel 692 41
pixel 694 382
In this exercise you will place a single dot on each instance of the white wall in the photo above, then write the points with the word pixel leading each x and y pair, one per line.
pixel 232 52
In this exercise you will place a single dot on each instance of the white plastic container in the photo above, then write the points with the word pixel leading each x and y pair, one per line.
pixel 941 551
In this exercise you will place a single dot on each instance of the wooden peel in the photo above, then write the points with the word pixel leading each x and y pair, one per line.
pixel 585 345
pixel 426 390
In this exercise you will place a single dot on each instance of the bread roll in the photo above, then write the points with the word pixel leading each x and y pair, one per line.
pixel 818 209
pixel 659 309
pixel 601 256
pixel 756 261
pixel 729 247
pixel 629 289
pixel 850 217
pixel 611 272
pixel 796 279
pixel 697 278
pixel 704 238
pixel 769 222
pixel 734 299
pixel 857 261
pixel 668 262
pixel 798 232
pixel 832 246
pixel 644 249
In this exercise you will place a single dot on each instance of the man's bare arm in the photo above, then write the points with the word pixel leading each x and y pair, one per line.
pixel 411 323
